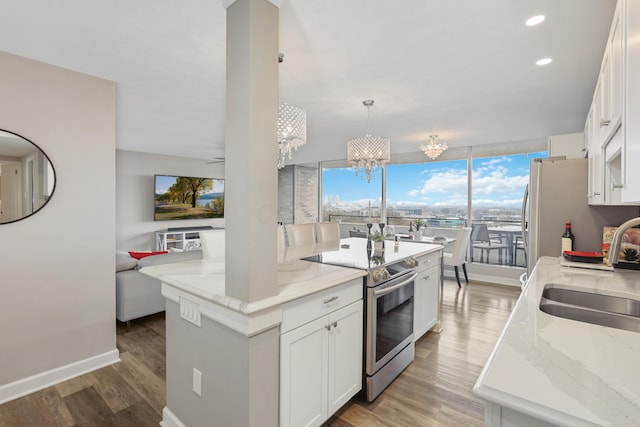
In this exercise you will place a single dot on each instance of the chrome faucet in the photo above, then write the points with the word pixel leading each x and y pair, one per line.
pixel 616 240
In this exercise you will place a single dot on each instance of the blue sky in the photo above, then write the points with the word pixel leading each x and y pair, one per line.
pixel 497 181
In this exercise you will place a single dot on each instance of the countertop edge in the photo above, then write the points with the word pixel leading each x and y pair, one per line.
pixel 493 384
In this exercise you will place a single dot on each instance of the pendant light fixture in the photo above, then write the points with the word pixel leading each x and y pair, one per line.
pixel 292 128
pixel 292 131
pixel 369 151
pixel 433 146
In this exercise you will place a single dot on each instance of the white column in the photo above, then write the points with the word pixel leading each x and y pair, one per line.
pixel 251 176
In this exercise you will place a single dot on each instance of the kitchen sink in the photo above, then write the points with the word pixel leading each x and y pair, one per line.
pixel 626 306
pixel 588 307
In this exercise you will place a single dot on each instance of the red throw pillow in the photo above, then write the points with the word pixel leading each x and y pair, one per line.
pixel 140 255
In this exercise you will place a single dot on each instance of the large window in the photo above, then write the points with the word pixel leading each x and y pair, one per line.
pixel 498 185
pixel 349 198
pixel 435 192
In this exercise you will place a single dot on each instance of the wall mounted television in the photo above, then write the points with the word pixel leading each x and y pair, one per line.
pixel 184 197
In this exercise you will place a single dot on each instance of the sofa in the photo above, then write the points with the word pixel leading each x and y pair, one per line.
pixel 138 295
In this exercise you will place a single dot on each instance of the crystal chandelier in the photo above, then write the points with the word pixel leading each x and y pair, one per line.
pixel 292 131
pixel 433 146
pixel 368 151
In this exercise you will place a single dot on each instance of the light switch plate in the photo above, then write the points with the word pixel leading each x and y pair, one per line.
pixel 197 382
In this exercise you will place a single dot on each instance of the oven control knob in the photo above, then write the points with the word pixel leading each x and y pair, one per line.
pixel 411 262
pixel 379 274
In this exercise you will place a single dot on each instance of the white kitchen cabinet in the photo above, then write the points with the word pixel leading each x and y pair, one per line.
pixel 571 146
pixel 426 294
pixel 613 170
pixel 502 416
pixel 614 97
pixel 610 86
pixel 614 137
pixel 320 354
pixel 630 192
pixel 595 195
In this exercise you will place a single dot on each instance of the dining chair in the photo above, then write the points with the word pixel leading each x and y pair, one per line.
pixel 281 239
pixel 327 231
pixel 480 239
pixel 518 245
pixel 458 255
pixel 212 243
pixel 300 234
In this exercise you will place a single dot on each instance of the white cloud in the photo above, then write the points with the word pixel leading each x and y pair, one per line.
pixel 495 161
pixel 493 184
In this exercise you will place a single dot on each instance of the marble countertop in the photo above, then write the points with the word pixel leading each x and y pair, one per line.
pixel 563 371
pixel 205 279
pixel 353 252
pixel 202 282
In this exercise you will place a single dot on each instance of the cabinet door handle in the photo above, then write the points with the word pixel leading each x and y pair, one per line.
pixel 426 277
pixel 332 299
pixel 335 324
pixel 604 122
pixel 328 327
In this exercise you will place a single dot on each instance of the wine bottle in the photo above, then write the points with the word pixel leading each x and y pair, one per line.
pixel 567 238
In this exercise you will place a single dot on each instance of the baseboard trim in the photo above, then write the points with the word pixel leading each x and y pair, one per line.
pixel 169 419
pixel 486 279
pixel 46 379
pixel 496 280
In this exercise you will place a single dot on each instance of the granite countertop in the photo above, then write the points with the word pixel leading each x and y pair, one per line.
pixel 563 371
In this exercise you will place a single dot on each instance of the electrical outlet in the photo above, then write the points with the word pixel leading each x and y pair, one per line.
pixel 197 382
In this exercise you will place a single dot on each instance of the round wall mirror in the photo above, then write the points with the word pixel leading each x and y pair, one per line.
pixel 27 177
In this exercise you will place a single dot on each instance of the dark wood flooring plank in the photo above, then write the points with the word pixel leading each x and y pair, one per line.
pixel 151 388
pixel 114 389
pixel 138 415
pixel 88 409
pixel 44 408
pixel 148 346
pixel 75 384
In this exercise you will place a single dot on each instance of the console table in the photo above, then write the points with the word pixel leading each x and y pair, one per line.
pixel 186 239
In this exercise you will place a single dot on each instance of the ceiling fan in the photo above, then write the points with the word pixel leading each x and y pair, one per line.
pixel 216 160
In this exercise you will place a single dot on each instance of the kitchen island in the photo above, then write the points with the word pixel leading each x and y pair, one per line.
pixel 210 334
pixel 548 370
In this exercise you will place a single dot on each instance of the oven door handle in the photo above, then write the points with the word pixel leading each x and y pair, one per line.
pixel 390 289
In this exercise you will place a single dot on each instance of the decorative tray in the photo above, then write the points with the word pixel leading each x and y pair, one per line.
pixel 576 256
pixel 588 265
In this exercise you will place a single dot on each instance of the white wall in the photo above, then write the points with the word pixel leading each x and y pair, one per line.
pixel 57 302
pixel 134 195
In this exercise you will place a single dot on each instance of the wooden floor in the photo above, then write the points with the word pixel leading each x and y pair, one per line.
pixel 435 390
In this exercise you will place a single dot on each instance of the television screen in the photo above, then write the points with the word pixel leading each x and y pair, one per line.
pixel 183 197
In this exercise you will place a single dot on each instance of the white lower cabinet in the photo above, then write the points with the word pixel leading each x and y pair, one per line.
pixel 321 362
pixel 426 294
pixel 500 416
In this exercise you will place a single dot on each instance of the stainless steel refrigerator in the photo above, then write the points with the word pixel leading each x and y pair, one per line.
pixel 557 192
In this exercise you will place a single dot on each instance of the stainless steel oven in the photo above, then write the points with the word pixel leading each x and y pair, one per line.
pixel 389 284
pixel 389 346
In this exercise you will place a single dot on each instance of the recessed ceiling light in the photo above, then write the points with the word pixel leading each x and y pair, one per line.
pixel 544 61
pixel 534 20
